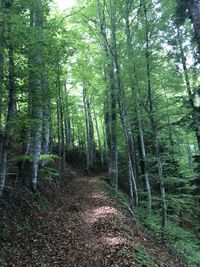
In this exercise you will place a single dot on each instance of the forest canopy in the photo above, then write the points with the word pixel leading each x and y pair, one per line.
pixel 112 84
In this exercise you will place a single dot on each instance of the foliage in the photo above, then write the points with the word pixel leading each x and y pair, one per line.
pixel 184 242
pixel 142 257
pixel 48 158
pixel 48 174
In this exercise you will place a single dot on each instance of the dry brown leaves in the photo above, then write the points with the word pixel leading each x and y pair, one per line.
pixel 86 230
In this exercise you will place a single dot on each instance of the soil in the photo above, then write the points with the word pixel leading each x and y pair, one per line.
pixel 86 228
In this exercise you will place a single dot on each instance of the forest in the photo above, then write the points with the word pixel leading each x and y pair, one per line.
pixel 109 87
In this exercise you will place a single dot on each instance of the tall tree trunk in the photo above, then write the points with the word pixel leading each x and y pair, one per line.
pixel 194 113
pixel 36 76
pixel 150 111
pixel 135 92
pixel 46 129
pixel 86 127
pixel 62 154
pixel 98 137
pixel 105 144
pixel 111 107
pixel 113 132
pixel 1 97
pixel 91 134
pixel 128 135
pixel 106 122
pixel 59 131
pixel 1 84
pixel 11 104
pixel 194 11
pixel 10 118
pixel 170 133
pixel 68 130
pixel 2 21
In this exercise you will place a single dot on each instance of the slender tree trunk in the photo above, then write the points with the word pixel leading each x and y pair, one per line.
pixel 59 133
pixel 62 138
pixel 142 146
pixel 90 146
pixel 111 107
pixel 113 143
pixel 62 154
pixel 194 12
pixel 135 92
pixel 73 132
pixel 11 105
pixel 1 85
pixel 91 135
pixel 170 132
pixel 105 145
pixel 46 130
pixel 36 69
pixel 10 118
pixel 106 124
pixel 1 98
pixel 2 21
pixel 98 137
pixel 122 103
pixel 86 127
pixel 195 116
pixel 190 160
pixel 153 123
pixel 68 130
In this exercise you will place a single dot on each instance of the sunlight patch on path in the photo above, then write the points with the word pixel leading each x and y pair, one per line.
pixel 113 241
pixel 99 196
pixel 92 216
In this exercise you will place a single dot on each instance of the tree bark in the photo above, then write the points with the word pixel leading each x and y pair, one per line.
pixel 128 135
pixel 10 118
pixel 1 97
pixel 68 130
pixel 11 110
pixel 135 92
pixel 46 129
pixel 1 84
pixel 194 11
pixel 90 145
pixel 86 127
pixel 111 102
pixel 152 121
pixel 36 76
pixel 60 123
pixel 98 137
pixel 194 112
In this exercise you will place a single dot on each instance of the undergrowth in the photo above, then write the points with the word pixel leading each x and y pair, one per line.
pixel 184 242
pixel 19 206
pixel 140 256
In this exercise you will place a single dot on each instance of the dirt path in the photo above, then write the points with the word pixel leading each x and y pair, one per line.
pixel 87 230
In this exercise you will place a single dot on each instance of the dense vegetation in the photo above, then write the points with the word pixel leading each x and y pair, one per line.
pixel 116 85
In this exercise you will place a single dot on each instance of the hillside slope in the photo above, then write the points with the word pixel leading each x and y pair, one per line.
pixel 86 229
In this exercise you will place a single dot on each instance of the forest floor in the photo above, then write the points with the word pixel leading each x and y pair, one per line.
pixel 87 229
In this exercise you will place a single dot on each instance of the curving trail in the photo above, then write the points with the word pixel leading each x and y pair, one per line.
pixel 87 230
